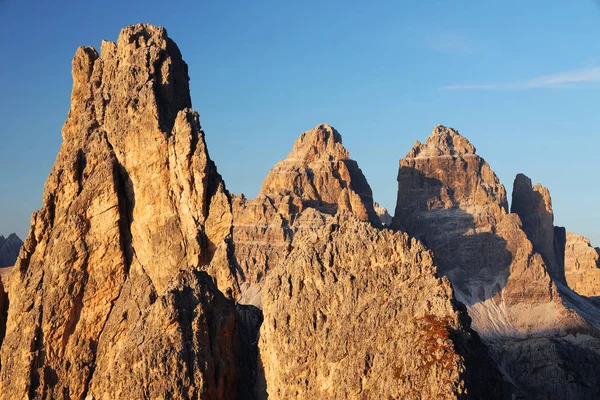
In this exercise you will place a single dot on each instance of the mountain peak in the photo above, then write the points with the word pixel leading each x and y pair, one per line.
pixel 323 142
pixel 319 171
pixel 442 141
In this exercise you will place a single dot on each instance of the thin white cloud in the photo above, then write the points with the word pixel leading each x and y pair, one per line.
pixel 559 80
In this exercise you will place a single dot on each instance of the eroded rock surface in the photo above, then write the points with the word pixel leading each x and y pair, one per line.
pixel 143 277
pixel 450 198
pixel 320 173
pixel 317 175
pixel 346 318
pixel 185 345
pixel 125 209
pixel 582 265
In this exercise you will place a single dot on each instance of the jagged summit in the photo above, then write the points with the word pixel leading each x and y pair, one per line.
pixel 141 76
pixel 442 141
pixel 457 206
pixel 126 208
pixel 319 172
pixel 323 142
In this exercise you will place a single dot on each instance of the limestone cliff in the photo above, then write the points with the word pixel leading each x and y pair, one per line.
pixel 126 207
pixel 318 174
pixel 401 344
pixel 534 207
pixel 450 198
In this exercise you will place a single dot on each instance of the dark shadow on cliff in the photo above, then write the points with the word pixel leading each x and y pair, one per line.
pixel 477 264
pixel 252 383
pixel 126 196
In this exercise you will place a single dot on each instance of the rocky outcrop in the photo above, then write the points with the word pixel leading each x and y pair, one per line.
pixel 3 312
pixel 185 345
pixel 450 198
pixel 133 200
pixel 401 344
pixel 133 279
pixel 9 250
pixel 534 207
pixel 570 258
pixel 582 265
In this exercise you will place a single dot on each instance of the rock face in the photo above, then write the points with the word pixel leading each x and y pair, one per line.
pixel 3 312
pixel 331 278
pixel 450 198
pixel 9 250
pixel 320 173
pixel 582 265
pixel 143 277
pixel 534 207
pixel 570 258
pixel 126 208
pixel 317 174
pixel 185 345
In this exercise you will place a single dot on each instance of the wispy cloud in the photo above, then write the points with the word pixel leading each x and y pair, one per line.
pixel 559 80
pixel 451 43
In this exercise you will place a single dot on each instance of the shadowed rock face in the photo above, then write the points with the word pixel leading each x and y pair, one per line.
pixel 534 207
pixel 570 258
pixel 450 199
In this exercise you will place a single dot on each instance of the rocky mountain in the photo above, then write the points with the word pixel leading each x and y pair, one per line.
pixel 9 250
pixel 142 276
pixel 502 266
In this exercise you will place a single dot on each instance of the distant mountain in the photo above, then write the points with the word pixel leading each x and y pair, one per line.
pixel 9 250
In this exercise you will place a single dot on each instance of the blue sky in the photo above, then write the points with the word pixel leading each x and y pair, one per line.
pixel 521 80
